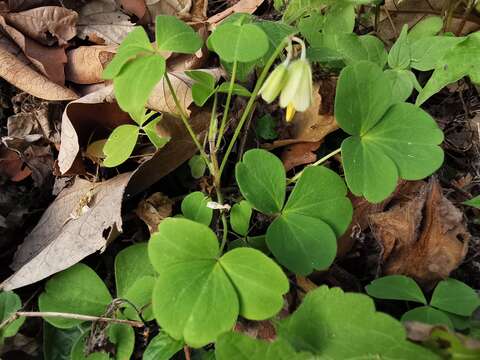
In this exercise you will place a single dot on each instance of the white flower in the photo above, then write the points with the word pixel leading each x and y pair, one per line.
pixel 297 92
pixel 274 84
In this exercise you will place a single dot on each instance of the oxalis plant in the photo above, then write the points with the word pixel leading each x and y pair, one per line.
pixel 196 276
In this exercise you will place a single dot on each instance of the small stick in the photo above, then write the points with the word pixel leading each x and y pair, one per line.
pixel 18 314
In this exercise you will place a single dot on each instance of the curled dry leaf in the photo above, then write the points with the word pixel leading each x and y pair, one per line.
pixel 299 154
pixel 134 7
pixel 46 24
pixel 316 122
pixel 102 22
pixel 423 237
pixel 12 166
pixel 154 209
pixel 48 60
pixel 86 63
pixel 17 70
pixel 58 241
pixel 179 8
pixel 243 6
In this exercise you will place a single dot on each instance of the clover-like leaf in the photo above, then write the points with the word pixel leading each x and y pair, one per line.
pixel 396 287
pixel 427 315
pixel 77 290
pixel 461 60
pixel 136 81
pixel 427 27
pixel 162 347
pixel 134 44
pixel 240 217
pixel 236 346
pixel 304 236
pixel 194 207
pixel 322 325
pixel 134 279
pixel 388 141
pixel 203 87
pixel 455 297
pixel 262 180
pixel 426 53
pixel 198 296
pixel 172 34
pixel 120 145
pixel 399 55
pixel 9 304
pixel 234 42
pixel 153 135
pixel 401 82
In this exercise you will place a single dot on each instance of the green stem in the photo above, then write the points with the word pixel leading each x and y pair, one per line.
pixel 184 118
pixel 316 163
pixel 250 103
pixel 227 104
pixel 212 132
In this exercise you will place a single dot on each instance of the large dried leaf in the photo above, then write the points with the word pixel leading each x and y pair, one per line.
pixel 86 63
pixel 180 8
pixel 135 7
pixel 17 70
pixel 46 24
pixel 102 22
pixel 48 60
pixel 242 6
pixel 58 242
pixel 423 237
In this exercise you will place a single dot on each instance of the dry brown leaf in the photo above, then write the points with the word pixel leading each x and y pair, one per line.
pixel 423 236
pixel 58 242
pixel 154 209
pixel 243 6
pixel 316 122
pixel 180 8
pixel 17 70
pixel 48 60
pixel 134 7
pixel 46 24
pixel 86 63
pixel 299 154
pixel 12 166
pixel 102 22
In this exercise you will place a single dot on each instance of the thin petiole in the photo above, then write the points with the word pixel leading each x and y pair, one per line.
pixel 316 163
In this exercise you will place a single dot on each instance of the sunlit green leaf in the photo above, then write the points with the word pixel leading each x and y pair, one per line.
pixel 399 55
pixel 194 207
pixel 429 26
pixel 120 145
pixel 10 303
pixel 396 287
pixel 240 217
pixel 153 135
pixel 162 347
pixel 456 297
pixel 427 315
pixel 426 53
pixel 172 34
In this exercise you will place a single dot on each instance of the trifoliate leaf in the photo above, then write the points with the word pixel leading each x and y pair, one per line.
pixel 233 42
pixel 172 34
pixel 134 44
pixel 198 296
pixel 396 287
pixel 236 346
pixel 337 325
pixel 240 217
pixel 339 18
pixel 162 347
pixel 10 303
pixel 262 181
pixel 120 145
pixel 401 83
pixel 77 290
pixel 388 141
pixel 426 53
pixel 304 236
pixel 427 315
pixel 203 87
pixel 456 297
pixel 194 207
pixel 134 278
pixel 399 55
pixel 459 61
pixel 136 81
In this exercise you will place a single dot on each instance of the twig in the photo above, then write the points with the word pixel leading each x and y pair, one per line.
pixel 41 314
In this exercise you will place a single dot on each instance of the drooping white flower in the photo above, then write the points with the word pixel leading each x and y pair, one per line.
pixel 274 84
pixel 298 89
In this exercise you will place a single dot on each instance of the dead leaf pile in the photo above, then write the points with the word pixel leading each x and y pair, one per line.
pixel 422 235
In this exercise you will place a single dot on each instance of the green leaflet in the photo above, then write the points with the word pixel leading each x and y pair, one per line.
pixel 396 287
pixel 194 207
pixel 303 235
pixel 209 292
pixel 322 325
pixel 387 141
pixel 474 202
pixel 427 315
pixel 162 347
pixel 455 297
pixel 120 145
pixel 9 304
pixel 461 60
pixel 240 217
pixel 233 42
pixel 77 290
pixel 174 35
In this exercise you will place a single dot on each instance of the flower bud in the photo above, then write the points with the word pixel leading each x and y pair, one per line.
pixel 274 83
pixel 297 91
